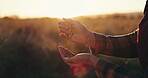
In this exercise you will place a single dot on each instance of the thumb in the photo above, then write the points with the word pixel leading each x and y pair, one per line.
pixel 72 60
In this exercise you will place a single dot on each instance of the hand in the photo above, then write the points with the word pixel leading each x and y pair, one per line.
pixel 76 32
pixel 82 58
pixel 64 52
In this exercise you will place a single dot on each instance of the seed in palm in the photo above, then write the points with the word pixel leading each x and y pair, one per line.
pixel 68 54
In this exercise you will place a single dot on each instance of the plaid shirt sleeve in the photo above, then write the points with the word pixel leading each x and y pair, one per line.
pixel 105 69
pixel 119 46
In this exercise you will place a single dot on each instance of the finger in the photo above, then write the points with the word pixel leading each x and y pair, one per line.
pixel 60 46
pixel 66 49
pixel 69 60
pixel 68 20
pixel 63 27
pixel 72 60
pixel 62 51
pixel 64 31
pixel 63 36
pixel 64 23
pixel 61 22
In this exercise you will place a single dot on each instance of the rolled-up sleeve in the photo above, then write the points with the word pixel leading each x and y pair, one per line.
pixel 119 46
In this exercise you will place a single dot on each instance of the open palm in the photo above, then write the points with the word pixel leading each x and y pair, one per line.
pixel 82 58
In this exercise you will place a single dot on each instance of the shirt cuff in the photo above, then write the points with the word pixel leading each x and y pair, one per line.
pixel 100 43
pixel 103 67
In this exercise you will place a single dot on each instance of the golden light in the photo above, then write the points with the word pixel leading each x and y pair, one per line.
pixel 67 8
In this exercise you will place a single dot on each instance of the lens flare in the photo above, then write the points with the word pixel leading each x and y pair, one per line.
pixel 79 70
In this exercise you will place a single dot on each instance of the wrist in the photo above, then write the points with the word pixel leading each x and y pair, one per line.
pixel 90 40
pixel 94 60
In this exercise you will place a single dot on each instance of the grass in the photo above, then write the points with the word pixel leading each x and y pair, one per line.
pixel 28 47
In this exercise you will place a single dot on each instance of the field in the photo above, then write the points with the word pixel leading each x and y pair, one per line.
pixel 28 47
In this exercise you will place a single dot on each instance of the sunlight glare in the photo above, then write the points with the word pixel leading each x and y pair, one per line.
pixel 67 8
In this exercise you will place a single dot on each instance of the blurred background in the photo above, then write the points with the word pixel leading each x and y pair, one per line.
pixel 68 8
pixel 29 34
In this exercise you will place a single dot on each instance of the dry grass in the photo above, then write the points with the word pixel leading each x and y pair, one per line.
pixel 28 47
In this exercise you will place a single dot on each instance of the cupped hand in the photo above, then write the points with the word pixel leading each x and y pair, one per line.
pixel 82 58
pixel 64 52
pixel 76 32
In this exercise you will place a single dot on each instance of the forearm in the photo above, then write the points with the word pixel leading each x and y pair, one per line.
pixel 119 46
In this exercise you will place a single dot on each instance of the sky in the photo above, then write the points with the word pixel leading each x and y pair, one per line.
pixel 68 8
